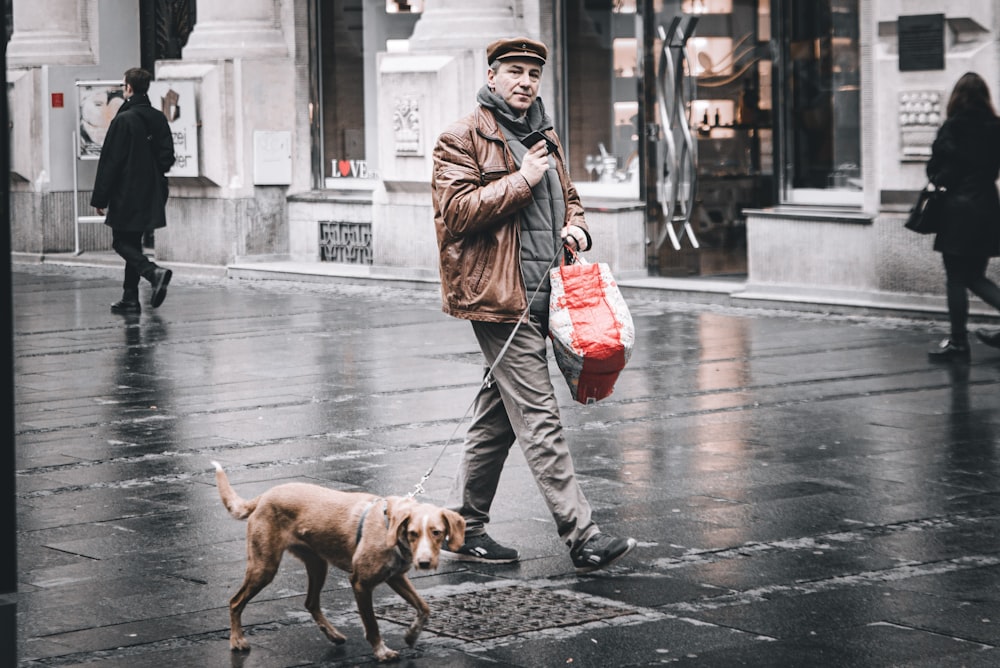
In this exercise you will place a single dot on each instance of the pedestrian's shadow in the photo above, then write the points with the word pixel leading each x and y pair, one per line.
pixel 959 375
pixel 140 391
pixel 971 437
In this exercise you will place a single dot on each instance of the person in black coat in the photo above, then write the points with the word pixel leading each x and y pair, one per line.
pixel 965 159
pixel 131 185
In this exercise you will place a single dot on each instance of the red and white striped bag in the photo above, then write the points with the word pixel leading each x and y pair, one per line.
pixel 590 326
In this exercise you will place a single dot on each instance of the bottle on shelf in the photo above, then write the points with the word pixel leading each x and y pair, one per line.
pixel 746 110
pixel 704 128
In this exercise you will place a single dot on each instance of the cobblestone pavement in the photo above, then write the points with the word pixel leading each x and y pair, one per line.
pixel 805 489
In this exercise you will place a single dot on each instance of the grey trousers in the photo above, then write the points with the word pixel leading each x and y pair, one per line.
pixel 519 404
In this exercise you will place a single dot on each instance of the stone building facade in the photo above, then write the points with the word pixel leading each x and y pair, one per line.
pixel 310 125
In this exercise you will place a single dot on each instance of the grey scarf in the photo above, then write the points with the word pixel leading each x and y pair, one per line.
pixel 520 126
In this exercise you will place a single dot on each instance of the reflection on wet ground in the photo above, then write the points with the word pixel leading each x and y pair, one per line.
pixel 806 489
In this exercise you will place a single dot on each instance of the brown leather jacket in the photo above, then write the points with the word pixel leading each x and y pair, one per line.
pixel 478 195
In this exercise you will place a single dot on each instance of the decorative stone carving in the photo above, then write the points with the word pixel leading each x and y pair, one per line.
pixel 407 127
pixel 344 242
pixel 921 113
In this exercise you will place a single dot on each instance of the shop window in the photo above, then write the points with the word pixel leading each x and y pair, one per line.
pixel 818 98
pixel 342 66
pixel 348 36
pixel 729 60
pixel 602 104
pixel 728 68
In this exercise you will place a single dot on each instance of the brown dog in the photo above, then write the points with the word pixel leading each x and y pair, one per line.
pixel 373 539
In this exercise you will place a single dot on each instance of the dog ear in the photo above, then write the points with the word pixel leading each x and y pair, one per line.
pixel 399 519
pixel 456 529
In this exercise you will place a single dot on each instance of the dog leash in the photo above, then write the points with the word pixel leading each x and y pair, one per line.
pixel 488 378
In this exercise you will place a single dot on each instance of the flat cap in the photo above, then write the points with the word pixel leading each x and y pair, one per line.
pixel 516 47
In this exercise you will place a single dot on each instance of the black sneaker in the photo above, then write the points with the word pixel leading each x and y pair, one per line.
pixel 484 549
pixel 600 551
pixel 160 281
pixel 949 351
pixel 989 339
pixel 126 307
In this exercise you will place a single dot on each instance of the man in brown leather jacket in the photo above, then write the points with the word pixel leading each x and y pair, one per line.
pixel 504 207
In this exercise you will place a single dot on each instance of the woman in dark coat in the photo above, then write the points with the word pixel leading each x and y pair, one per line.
pixel 131 184
pixel 965 159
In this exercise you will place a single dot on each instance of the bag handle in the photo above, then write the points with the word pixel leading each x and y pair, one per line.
pixel 572 256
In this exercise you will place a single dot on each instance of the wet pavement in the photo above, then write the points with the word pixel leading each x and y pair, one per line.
pixel 806 489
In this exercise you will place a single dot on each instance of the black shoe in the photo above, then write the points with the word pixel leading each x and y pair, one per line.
pixel 600 551
pixel 989 339
pixel 483 549
pixel 949 351
pixel 126 307
pixel 161 279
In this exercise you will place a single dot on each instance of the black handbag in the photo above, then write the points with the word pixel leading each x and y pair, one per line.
pixel 927 215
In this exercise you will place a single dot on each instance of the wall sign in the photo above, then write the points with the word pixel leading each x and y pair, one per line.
pixel 176 100
pixel 350 169
pixel 921 42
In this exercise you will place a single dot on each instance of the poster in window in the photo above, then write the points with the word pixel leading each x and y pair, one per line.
pixel 97 104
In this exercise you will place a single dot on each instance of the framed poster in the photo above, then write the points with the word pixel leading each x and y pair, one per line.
pixel 97 104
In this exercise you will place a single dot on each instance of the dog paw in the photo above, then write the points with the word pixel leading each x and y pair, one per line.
pixel 334 636
pixel 415 629
pixel 239 644
pixel 384 654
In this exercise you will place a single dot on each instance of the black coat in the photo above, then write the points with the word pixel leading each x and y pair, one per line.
pixel 965 159
pixel 131 184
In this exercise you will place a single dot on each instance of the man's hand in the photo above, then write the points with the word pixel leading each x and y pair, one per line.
pixel 535 163
pixel 575 237
pixel 100 211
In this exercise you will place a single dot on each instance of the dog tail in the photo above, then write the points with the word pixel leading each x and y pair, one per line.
pixel 237 507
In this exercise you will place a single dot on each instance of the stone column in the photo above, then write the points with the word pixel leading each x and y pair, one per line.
pixel 420 92
pixel 239 59
pixel 227 30
pixel 451 24
pixel 51 32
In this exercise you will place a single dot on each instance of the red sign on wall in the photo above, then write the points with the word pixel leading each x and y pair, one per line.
pixel 57 100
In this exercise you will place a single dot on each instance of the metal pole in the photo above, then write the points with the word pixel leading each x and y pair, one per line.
pixel 649 131
pixel 76 196
pixel 8 500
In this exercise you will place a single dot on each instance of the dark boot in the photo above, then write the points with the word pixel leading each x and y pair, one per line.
pixel 128 304
pixel 950 350
pixel 159 279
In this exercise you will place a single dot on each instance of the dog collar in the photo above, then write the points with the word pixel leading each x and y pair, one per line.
pixel 364 514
